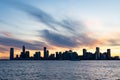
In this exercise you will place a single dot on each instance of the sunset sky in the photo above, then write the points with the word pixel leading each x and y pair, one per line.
pixel 59 25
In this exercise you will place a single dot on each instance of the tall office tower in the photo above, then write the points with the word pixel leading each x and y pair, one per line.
pixel 45 53
pixel 11 53
pixel 23 49
pixel 108 54
pixel 84 54
pixel 97 53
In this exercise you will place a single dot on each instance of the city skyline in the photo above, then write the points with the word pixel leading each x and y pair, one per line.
pixel 59 25
pixel 66 55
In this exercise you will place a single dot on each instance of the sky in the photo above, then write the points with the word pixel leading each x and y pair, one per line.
pixel 59 25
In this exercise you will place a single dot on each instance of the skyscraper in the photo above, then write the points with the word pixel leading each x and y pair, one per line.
pixel 108 53
pixel 84 53
pixel 23 49
pixel 23 53
pixel 45 53
pixel 11 53
pixel 97 53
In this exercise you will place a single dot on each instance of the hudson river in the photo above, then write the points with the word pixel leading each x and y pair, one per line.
pixel 59 70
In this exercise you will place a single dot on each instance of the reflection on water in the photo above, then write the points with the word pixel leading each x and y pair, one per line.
pixel 59 70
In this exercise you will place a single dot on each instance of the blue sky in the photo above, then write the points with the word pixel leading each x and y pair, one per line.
pixel 58 24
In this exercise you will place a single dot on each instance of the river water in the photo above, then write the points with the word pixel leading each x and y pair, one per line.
pixel 60 70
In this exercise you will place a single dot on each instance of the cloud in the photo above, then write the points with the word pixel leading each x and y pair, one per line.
pixel 2 49
pixel 45 18
pixel 112 42
pixel 77 29
pixel 42 16
pixel 18 43
pixel 7 34
pixel 112 39
pixel 65 41
pixel 71 25
pixel 58 39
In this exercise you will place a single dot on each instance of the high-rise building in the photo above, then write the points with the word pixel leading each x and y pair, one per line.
pixel 97 53
pixel 46 53
pixel 23 53
pixel 84 54
pixel 108 54
pixel 11 53
pixel 23 49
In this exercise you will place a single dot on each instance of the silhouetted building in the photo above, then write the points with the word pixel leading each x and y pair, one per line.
pixel 115 58
pixel 90 56
pixel 17 57
pixel 67 55
pixel 103 56
pixel 108 54
pixel 27 54
pixel 74 56
pixel 46 53
pixel 23 49
pixel 11 53
pixel 60 56
pixel 84 54
pixel 52 57
pixel 37 56
pixel 22 55
pixel 57 56
pixel 97 53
